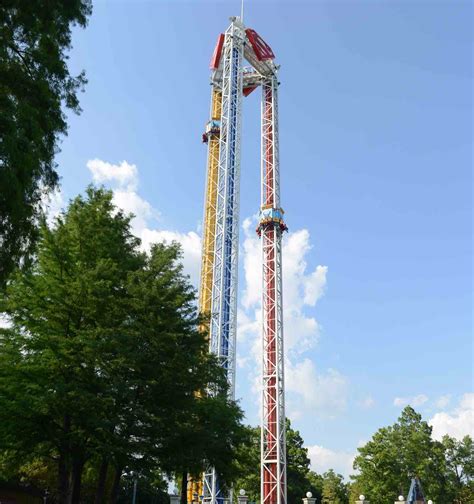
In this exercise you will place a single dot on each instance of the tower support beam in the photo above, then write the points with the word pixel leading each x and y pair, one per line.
pixel 271 227
pixel 223 323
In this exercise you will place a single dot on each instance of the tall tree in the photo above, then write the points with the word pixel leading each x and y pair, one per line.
pixel 335 491
pixel 210 436
pixel 102 363
pixel 35 84
pixel 248 458
pixel 64 311
pixel 297 466
pixel 394 454
pixel 459 457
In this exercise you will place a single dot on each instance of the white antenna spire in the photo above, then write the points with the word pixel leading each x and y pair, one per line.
pixel 242 11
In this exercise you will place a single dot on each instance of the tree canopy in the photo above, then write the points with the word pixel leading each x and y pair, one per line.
pixel 35 85
pixel 104 368
pixel 335 491
pixel 396 453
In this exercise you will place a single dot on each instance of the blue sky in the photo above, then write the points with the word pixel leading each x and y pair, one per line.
pixel 375 140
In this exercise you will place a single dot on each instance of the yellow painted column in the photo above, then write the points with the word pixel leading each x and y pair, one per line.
pixel 209 224
pixel 195 486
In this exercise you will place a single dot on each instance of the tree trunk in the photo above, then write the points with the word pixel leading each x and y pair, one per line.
pixel 114 493
pixel 63 472
pixel 76 480
pixel 99 494
pixel 184 487
pixel 63 479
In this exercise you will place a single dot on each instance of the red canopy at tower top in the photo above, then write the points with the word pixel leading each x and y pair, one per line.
pixel 216 55
pixel 262 50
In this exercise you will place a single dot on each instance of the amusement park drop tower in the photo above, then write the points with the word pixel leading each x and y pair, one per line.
pixel 231 81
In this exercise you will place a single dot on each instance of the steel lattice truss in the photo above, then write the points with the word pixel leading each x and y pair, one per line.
pixel 209 220
pixel 226 243
pixel 231 81
pixel 273 447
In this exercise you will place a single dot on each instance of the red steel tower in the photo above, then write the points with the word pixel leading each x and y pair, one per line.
pixel 270 229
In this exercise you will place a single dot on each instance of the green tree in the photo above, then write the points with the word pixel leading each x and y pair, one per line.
pixel 394 454
pixel 65 312
pixel 210 436
pixel 335 491
pixel 459 457
pixel 355 489
pixel 248 460
pixel 104 365
pixel 316 482
pixel 34 85
pixel 150 490
pixel 297 466
pixel 300 479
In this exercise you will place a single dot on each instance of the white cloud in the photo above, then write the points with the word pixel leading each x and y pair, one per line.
pixel 367 403
pixel 443 401
pixel 456 423
pixel 301 289
pixel 314 285
pixel 123 173
pixel 323 459
pixel 52 204
pixel 131 203
pixel 252 261
pixel 326 392
pixel 242 361
pixel 124 180
pixel 308 390
pixel 415 401
pixel 190 244
pixel 5 322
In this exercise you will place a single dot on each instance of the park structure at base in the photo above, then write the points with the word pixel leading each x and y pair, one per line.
pixel 415 494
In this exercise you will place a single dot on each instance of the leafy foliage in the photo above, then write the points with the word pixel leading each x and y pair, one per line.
pixel 300 479
pixel 335 491
pixel 248 456
pixel 396 453
pixel 459 456
pixel 297 466
pixel 34 85
pixel 104 365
